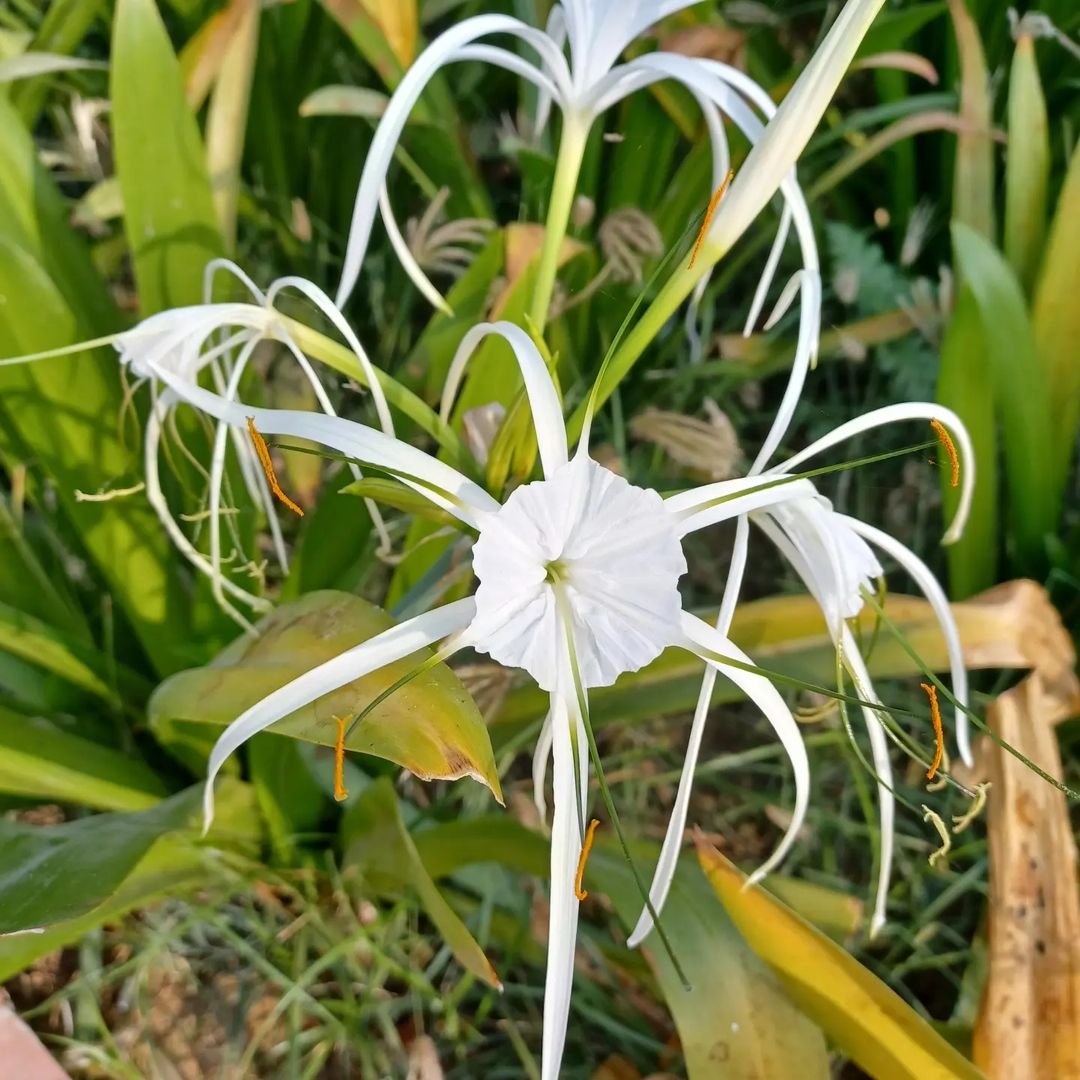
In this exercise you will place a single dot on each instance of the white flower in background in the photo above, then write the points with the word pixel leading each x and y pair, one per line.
pixel 578 583
pixel 583 86
pixel 221 338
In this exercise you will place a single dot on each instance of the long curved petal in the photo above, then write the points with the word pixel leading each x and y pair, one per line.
pixel 891 414
pixel 385 648
pixel 924 578
pixel 565 852
pixel 712 503
pixel 541 756
pixel 705 642
pixel 439 53
pixel 817 582
pixel 727 91
pixel 544 401
pixel 433 479
pixel 664 873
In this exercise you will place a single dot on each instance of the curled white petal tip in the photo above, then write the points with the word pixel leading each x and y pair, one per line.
pixel 877 924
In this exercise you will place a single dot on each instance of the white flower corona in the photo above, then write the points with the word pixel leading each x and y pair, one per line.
pixel 613 551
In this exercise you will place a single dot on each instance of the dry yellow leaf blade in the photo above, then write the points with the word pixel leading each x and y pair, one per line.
pixel 868 1021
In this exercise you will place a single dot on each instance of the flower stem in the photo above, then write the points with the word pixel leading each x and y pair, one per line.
pixel 575 133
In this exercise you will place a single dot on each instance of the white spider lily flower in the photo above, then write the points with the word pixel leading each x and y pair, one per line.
pixel 833 555
pixel 222 338
pixel 583 86
pixel 578 583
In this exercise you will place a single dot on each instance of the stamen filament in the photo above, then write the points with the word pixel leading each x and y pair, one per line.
pixel 714 202
pixel 939 734
pixel 340 792
pixel 949 447
pixel 268 467
pixel 580 892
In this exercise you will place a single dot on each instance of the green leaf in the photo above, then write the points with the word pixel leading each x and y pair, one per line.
pixel 964 387
pixel 737 1018
pixel 1056 316
pixel 290 799
pixel 174 863
pixel 1027 165
pixel 380 847
pixel 430 725
pixel 1021 393
pixel 35 641
pixel 399 496
pixel 63 414
pixel 34 217
pixel 874 1026
pixel 345 101
pixel 29 64
pixel 973 186
pixel 168 208
pixel 49 874
pixel 38 760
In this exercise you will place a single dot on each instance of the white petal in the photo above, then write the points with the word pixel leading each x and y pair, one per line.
pixel 599 30
pixel 923 577
pixel 541 755
pixel 699 507
pixel 879 746
pixel 228 266
pixel 405 256
pixel 890 414
pixel 464 499
pixel 385 648
pixel 664 873
pixel 440 52
pixel 324 304
pixel 543 400
pixel 702 640
pixel 156 497
pixel 563 919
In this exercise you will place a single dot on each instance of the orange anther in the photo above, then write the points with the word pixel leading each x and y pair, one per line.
pixel 268 467
pixel 340 794
pixel 583 858
pixel 950 448
pixel 714 202
pixel 939 734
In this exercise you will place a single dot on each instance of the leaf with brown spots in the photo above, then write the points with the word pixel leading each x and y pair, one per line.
pixel 1029 1018
pixel 429 726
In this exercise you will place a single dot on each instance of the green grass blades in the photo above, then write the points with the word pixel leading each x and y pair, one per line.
pixel 430 726
pixel 169 216
pixel 866 1020
pixel 62 415
pixel 380 852
pixel 1021 392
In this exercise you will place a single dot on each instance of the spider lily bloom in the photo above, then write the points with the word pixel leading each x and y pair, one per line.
pixel 583 86
pixel 833 555
pixel 221 337
pixel 578 583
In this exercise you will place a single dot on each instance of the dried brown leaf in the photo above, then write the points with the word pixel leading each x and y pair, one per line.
pixel 1029 1018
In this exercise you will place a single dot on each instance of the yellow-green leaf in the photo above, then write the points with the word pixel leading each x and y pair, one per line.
pixel 429 726
pixel 873 1025
pixel 1027 165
